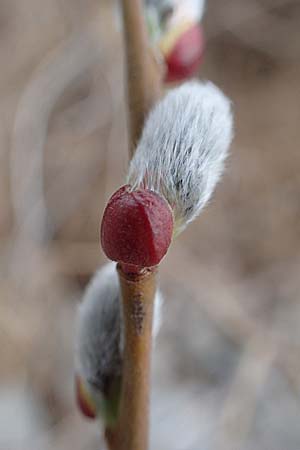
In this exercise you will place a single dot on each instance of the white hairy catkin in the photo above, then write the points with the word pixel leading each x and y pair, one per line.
pixel 183 147
pixel 99 337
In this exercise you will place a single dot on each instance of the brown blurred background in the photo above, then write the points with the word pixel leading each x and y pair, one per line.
pixel 226 372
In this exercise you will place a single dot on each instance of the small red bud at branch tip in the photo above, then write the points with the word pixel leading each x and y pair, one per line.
pixel 136 228
pixel 185 57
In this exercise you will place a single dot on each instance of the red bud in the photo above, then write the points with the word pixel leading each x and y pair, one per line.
pixel 185 56
pixel 137 227
pixel 84 400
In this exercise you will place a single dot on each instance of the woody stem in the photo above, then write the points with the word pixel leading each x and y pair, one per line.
pixel 143 71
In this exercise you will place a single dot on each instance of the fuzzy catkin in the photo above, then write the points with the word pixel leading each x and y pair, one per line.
pixel 183 147
pixel 99 337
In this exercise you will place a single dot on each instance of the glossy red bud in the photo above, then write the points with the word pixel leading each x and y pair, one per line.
pixel 136 228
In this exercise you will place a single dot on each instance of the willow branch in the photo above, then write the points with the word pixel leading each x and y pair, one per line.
pixel 143 71
pixel 138 291
pixel 132 429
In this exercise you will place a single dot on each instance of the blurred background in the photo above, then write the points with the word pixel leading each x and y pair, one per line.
pixel 226 370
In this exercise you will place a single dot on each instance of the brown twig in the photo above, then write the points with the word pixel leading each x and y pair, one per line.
pixel 138 293
pixel 131 431
pixel 138 290
pixel 143 71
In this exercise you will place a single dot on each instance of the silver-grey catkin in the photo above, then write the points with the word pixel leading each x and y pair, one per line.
pixel 183 147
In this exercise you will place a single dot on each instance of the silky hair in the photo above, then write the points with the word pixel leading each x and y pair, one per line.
pixel 183 147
